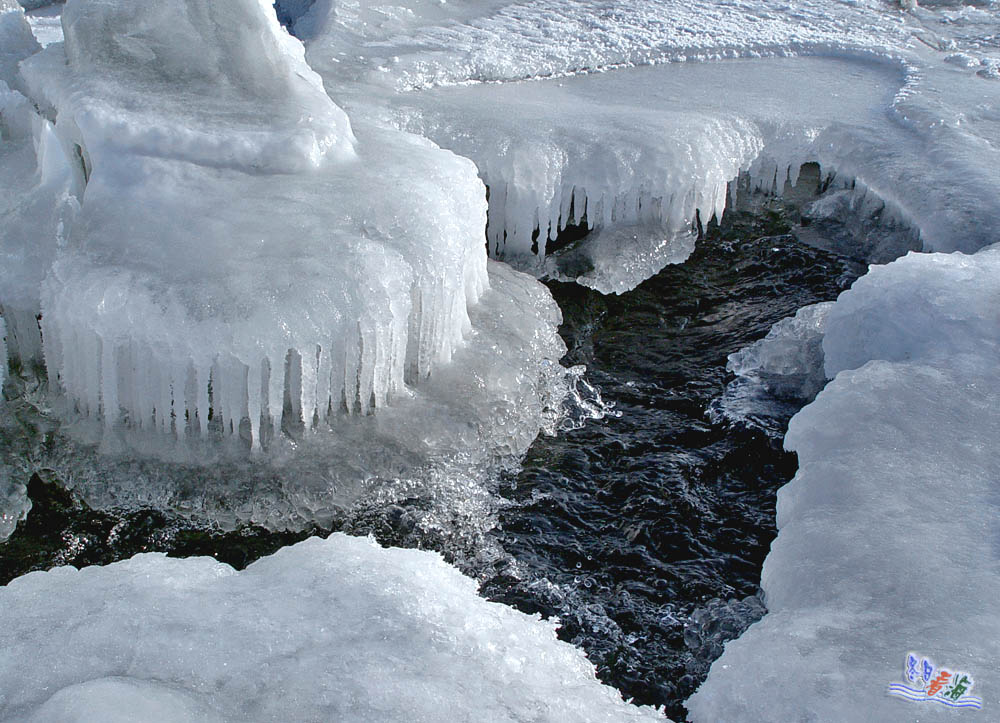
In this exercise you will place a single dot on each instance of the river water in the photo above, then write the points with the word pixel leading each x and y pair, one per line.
pixel 644 532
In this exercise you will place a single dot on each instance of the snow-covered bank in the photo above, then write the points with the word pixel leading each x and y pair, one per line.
pixel 887 535
pixel 336 629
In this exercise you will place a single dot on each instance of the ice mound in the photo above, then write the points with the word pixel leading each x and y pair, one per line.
pixel 886 534
pixel 240 257
pixel 232 89
pixel 335 629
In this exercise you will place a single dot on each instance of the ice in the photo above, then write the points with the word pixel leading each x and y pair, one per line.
pixel 855 222
pixel 37 196
pixel 923 306
pixel 886 534
pixel 46 24
pixel 480 411
pixel 14 501
pixel 335 629
pixel 16 41
pixel 232 88
pixel 586 139
pixel 237 235
pixel 777 374
pixel 651 157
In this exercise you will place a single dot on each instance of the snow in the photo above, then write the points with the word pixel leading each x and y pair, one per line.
pixel 886 534
pixel 334 629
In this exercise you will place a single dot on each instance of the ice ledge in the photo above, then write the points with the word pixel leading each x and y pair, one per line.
pixel 887 533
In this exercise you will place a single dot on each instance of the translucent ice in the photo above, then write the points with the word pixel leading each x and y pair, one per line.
pixel 37 192
pixel 777 374
pixel 335 629
pixel 887 534
pixel 240 255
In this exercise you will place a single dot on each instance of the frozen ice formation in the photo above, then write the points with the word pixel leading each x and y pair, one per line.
pixel 777 374
pixel 239 252
pixel 574 138
pixel 436 443
pixel 14 501
pixel 650 158
pixel 886 539
pixel 336 629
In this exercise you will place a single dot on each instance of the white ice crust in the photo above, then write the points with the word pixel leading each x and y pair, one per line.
pixel 336 629
pixel 886 539
pixel 602 140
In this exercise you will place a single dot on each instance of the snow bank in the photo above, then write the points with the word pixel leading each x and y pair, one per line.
pixel 887 534
pixel 417 45
pixel 335 629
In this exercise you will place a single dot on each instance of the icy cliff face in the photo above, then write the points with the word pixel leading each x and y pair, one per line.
pixel 335 629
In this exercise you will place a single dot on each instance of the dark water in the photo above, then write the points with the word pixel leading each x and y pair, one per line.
pixel 643 533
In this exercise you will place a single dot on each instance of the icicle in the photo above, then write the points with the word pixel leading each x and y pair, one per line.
pixel 323 365
pixel 3 351
pixel 367 356
pixel 352 360
pixel 202 380
pixel 307 385
pixel 256 396
pixel 109 383
pixel 275 388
